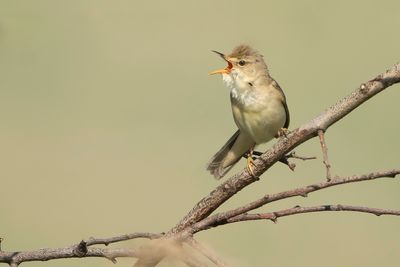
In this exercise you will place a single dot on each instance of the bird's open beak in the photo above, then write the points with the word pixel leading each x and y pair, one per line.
pixel 222 71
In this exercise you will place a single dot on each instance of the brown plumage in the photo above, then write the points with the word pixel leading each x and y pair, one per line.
pixel 258 106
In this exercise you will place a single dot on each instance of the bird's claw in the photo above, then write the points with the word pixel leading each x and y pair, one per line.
pixel 249 166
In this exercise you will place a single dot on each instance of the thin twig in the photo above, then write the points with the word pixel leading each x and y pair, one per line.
pixel 106 241
pixel 291 165
pixel 206 252
pixel 273 216
pixel 295 156
pixel 324 148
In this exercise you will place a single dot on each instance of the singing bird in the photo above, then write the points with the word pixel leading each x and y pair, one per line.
pixel 258 105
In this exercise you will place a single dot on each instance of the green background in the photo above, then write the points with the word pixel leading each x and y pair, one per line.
pixel 108 117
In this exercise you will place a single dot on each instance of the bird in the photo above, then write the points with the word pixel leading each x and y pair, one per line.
pixel 258 104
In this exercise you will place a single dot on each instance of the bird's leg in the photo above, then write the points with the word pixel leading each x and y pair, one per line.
pixel 250 161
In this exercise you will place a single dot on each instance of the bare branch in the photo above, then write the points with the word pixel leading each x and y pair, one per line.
pixel 79 250
pixel 45 254
pixel 324 148
pixel 273 216
pixel 106 241
pixel 214 220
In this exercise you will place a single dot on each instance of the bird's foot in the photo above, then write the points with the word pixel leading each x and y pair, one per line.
pixel 249 165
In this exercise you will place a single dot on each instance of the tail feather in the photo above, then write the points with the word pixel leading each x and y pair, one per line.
pixel 215 165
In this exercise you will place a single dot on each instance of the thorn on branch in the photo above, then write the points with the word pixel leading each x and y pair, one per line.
pixel 274 218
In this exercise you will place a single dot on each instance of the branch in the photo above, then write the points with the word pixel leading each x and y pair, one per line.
pixel 45 254
pixel 106 241
pixel 79 250
pixel 305 132
pixel 273 216
pixel 324 148
pixel 216 219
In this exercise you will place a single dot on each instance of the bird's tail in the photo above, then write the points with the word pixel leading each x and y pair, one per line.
pixel 216 163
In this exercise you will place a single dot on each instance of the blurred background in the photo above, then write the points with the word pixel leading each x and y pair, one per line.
pixel 108 117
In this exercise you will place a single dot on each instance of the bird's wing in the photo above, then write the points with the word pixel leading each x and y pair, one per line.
pixel 277 87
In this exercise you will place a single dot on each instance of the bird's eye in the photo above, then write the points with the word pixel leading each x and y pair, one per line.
pixel 242 62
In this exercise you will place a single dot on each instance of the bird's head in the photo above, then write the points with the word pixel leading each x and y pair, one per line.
pixel 245 65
